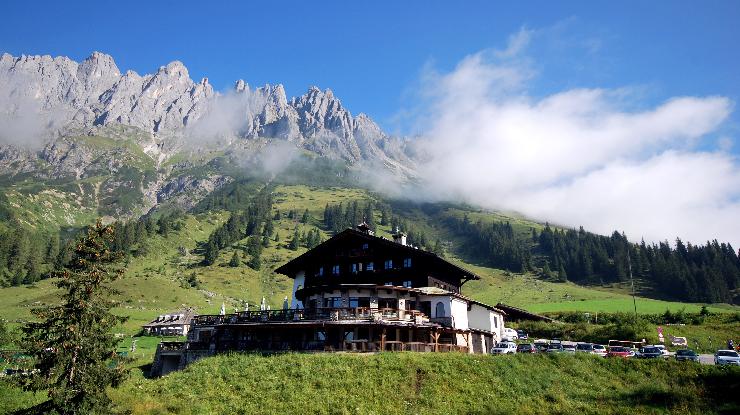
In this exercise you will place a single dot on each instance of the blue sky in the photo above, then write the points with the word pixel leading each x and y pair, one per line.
pixel 612 115
pixel 371 53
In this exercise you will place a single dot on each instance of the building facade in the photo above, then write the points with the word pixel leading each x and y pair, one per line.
pixel 354 292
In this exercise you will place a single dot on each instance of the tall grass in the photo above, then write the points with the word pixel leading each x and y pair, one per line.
pixel 433 383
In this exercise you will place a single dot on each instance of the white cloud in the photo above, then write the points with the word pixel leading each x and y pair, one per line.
pixel 577 157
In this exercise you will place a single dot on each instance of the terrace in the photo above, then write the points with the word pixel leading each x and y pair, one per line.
pixel 349 315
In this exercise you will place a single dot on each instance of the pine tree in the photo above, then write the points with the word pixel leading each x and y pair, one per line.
pixel 235 261
pixel 255 263
pixel 73 344
pixel 295 242
pixel 306 217
pixel 210 254
pixel 562 276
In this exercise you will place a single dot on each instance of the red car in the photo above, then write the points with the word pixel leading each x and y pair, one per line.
pixel 619 351
pixel 526 348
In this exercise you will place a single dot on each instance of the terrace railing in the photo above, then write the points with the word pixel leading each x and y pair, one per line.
pixel 313 314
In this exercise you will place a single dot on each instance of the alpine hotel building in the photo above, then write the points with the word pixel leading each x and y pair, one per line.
pixel 355 292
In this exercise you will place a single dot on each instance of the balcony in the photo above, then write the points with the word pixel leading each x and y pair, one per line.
pixel 314 314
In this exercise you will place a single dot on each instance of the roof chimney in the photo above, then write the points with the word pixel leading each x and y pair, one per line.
pixel 399 237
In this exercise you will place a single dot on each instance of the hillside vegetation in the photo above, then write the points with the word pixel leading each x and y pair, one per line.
pixel 439 383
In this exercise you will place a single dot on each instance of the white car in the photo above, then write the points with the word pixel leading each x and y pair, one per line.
pixel 509 334
pixel 504 348
pixel 600 350
pixel 662 348
pixel 726 357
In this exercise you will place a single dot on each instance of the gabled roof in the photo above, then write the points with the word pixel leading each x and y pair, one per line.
pixel 173 318
pixel 299 263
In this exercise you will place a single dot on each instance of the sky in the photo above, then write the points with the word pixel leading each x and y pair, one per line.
pixel 582 113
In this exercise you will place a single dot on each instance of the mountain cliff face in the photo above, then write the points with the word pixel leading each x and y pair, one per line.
pixel 84 96
pixel 127 143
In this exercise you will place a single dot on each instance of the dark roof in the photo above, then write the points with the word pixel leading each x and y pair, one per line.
pixel 521 314
pixel 173 318
pixel 298 263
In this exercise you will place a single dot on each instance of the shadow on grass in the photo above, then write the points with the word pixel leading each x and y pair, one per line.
pixel 43 408
pixel 719 391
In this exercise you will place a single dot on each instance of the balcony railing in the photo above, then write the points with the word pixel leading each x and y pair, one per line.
pixel 313 314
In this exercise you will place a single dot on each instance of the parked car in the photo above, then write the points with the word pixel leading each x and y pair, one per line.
pixel 726 357
pixel 599 349
pixel 686 354
pixel 526 348
pixel 619 351
pixel 569 347
pixel 522 335
pixel 541 345
pixel 504 348
pixel 649 352
pixel 663 349
pixel 584 348
pixel 555 348
pixel 509 334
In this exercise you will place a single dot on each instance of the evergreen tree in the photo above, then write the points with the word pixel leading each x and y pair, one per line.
pixel 562 276
pixel 210 252
pixel 255 263
pixel 73 343
pixel 306 217
pixel 295 242
pixel 235 261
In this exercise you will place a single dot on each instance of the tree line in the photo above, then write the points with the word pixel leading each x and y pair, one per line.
pixel 697 273
pixel 494 243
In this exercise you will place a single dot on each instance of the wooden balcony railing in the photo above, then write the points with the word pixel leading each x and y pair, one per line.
pixel 314 314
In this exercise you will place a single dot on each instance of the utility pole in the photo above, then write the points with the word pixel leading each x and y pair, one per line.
pixel 632 282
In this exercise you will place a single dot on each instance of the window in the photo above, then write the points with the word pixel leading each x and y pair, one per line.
pixel 407 263
pixel 440 309
pixel 407 284
pixel 364 246
pixel 387 303
pixel 321 272
pixel 370 266
pixel 357 268
pixel 495 321
pixel 388 264
pixel 355 302
pixel 335 270
pixel 388 283
pixel 333 302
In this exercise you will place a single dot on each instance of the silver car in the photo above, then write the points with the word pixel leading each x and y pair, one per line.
pixel 726 357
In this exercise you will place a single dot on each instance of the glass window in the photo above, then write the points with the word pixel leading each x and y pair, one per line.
pixel 440 309
pixel 407 263
pixel 370 266
pixel 321 271
pixel 354 302
pixel 388 283
pixel 333 302
pixel 335 270
pixel 389 264
pixel 407 284
pixel 354 268
pixel 364 246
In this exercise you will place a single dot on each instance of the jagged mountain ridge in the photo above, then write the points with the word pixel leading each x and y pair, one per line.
pixel 169 104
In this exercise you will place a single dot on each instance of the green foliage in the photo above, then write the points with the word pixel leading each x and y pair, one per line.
pixel 235 261
pixel 295 241
pixel 450 383
pixel 72 343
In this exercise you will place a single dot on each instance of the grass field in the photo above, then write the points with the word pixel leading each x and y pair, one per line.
pixel 403 383
pixel 432 383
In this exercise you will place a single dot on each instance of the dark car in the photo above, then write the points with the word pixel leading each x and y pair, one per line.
pixel 686 355
pixel 526 348
pixel 522 335
pixel 555 348
pixel 649 353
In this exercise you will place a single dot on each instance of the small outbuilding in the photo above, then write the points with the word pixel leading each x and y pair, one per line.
pixel 175 323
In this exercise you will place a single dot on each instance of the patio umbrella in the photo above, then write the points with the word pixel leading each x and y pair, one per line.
pixel 285 303
pixel 223 309
pixel 263 305
pixel 247 307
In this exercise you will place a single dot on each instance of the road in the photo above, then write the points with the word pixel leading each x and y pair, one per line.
pixel 706 359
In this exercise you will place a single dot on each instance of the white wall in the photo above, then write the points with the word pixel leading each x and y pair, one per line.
pixel 480 318
pixel 459 313
pixel 299 281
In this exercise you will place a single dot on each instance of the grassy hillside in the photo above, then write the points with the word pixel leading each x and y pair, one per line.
pixel 424 383
pixel 154 283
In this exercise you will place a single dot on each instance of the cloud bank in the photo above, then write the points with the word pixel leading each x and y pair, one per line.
pixel 592 157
